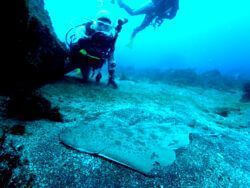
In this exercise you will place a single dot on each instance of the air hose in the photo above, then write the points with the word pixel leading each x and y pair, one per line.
pixel 69 43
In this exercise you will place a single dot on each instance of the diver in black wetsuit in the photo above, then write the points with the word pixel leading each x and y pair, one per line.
pixel 155 12
pixel 97 46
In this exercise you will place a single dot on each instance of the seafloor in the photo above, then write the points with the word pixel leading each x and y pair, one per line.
pixel 218 124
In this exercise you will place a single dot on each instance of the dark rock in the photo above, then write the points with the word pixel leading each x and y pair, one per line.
pixel 39 59
pixel 192 123
pixel 193 136
pixel 182 76
pixel 31 106
pixel 17 130
pixel 12 160
pixel 55 115
pixel 2 137
pixel 13 167
pixel 5 176
pixel 189 77
pixel 214 79
pixel 39 55
pixel 225 111
pixel 222 112
pixel 246 87
pixel 246 93
pixel 212 74
pixel 1 133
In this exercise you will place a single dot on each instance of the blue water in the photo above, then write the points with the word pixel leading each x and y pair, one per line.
pixel 208 34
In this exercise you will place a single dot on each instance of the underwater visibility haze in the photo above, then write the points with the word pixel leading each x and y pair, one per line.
pixel 204 35
pixel 127 93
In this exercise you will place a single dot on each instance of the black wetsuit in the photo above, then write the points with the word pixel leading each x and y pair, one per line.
pixel 96 44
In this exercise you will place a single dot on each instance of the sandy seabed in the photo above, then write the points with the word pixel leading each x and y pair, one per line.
pixel 216 122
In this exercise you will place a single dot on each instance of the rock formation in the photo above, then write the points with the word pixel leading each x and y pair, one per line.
pixel 39 55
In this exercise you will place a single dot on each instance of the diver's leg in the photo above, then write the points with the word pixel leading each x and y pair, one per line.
pixel 144 10
pixel 146 22
pixel 98 76
pixel 85 73
pixel 111 70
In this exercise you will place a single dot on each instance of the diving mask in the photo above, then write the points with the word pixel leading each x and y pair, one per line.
pixel 102 26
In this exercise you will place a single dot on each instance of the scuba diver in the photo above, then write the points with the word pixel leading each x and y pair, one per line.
pixel 94 48
pixel 155 13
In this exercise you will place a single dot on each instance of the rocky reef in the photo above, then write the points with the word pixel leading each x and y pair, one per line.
pixel 13 166
pixel 39 55
pixel 246 92
pixel 31 106
pixel 39 59
pixel 211 79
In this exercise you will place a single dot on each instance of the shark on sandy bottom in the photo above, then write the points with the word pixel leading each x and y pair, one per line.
pixel 141 147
